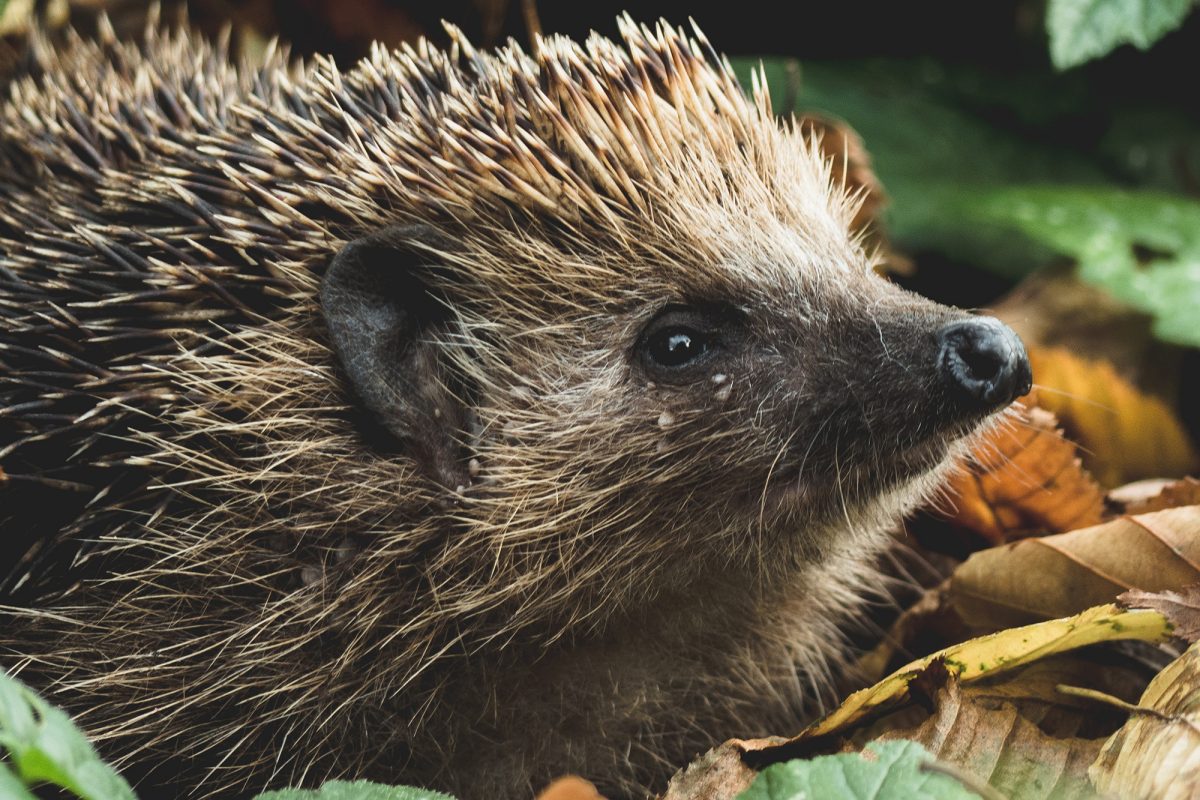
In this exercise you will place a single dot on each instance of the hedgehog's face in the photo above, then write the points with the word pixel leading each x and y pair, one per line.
pixel 650 321
pixel 759 398
pixel 817 405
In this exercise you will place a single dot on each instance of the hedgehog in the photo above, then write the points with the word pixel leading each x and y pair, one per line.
pixel 457 419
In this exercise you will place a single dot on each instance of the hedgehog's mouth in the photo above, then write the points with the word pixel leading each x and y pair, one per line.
pixel 841 482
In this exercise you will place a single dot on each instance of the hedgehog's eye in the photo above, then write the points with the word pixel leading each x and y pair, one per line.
pixel 678 339
pixel 676 347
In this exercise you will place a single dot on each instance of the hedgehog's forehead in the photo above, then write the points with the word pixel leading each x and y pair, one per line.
pixel 702 251
pixel 650 128
pixel 627 168
pixel 715 224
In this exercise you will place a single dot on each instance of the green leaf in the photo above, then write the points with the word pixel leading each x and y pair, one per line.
pixel 892 770
pixel 43 745
pixel 1081 30
pixel 356 790
pixel 11 787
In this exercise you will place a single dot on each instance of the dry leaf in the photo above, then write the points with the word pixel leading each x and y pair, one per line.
pixel 1025 479
pixel 1155 495
pixel 1124 434
pixel 991 655
pixel 719 774
pixel 998 746
pixel 1059 575
pixel 1034 691
pixel 570 788
pixel 1182 609
pixel 1157 752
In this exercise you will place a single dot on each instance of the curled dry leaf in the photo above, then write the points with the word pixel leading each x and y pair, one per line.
pixel 1024 478
pixel 1157 752
pixel 986 656
pixel 1125 434
pixel 570 788
pixel 1059 575
pixel 998 746
pixel 1182 609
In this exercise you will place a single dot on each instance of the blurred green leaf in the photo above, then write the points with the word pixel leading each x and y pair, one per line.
pixel 356 790
pixel 1081 30
pixel 42 744
pixel 1154 148
pixel 889 771
pixel 11 787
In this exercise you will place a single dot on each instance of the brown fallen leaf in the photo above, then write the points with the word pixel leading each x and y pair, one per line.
pixel 720 774
pixel 1025 479
pixel 1034 690
pixel 570 788
pixel 994 743
pixel 1055 576
pixel 1155 495
pixel 1157 752
pixel 1124 433
pixel 1054 308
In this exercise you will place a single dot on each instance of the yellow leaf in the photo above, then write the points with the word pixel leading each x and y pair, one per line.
pixel 1125 434
pixel 996 653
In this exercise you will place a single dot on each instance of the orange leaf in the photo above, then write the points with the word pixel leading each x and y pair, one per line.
pixel 1025 479
pixel 570 788
pixel 1124 434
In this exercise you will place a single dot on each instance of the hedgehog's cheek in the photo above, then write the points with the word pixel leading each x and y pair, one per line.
pixel 384 323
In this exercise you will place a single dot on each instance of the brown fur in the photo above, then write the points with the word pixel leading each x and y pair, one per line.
pixel 221 574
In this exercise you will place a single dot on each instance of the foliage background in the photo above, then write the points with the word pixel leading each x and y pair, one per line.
pixel 1041 157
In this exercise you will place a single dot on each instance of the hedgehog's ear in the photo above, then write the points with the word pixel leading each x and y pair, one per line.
pixel 383 322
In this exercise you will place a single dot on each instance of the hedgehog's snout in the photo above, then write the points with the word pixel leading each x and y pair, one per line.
pixel 984 363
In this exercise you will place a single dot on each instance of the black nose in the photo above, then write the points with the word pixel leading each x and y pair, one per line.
pixel 984 363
